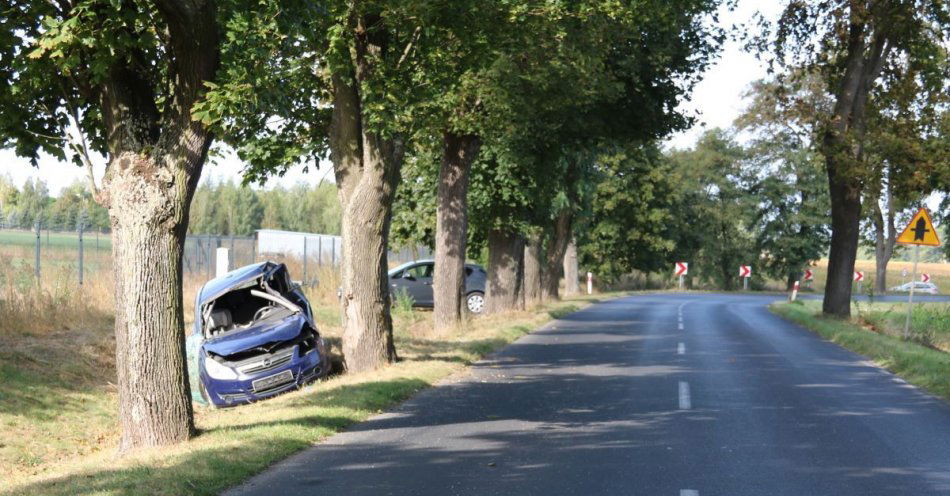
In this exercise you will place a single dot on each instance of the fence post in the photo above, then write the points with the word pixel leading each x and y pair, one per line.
pixel 36 264
pixel 333 253
pixel 210 257
pixel 320 250
pixel 222 262
pixel 80 252
pixel 305 260
pixel 254 248
pixel 197 269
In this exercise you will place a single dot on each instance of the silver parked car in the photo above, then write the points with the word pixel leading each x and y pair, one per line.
pixel 919 287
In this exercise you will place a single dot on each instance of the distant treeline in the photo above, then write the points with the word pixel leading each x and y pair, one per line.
pixel 23 207
pixel 223 207
pixel 228 208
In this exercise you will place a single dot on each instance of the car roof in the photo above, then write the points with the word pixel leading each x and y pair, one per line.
pixel 220 285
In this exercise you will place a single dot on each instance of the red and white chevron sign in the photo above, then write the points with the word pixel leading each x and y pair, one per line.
pixel 858 276
pixel 745 271
pixel 809 274
pixel 681 269
pixel 925 278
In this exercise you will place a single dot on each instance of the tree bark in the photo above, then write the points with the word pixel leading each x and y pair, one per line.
pixel 148 211
pixel 571 284
pixel 451 229
pixel 366 167
pixel 554 258
pixel 845 219
pixel 505 257
pixel 155 161
pixel 532 272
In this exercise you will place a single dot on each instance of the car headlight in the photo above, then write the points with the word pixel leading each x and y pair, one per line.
pixel 218 371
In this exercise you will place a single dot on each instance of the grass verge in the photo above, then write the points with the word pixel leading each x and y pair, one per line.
pixel 234 444
pixel 922 366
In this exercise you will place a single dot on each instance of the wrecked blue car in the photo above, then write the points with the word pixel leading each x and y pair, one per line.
pixel 254 336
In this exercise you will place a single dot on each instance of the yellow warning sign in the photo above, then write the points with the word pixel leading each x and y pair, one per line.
pixel 920 231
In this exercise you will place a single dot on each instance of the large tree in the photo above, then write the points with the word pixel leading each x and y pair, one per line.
pixel 121 78
pixel 786 175
pixel 716 208
pixel 355 81
pixel 858 46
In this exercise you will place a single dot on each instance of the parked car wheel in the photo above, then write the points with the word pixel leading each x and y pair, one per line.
pixel 475 301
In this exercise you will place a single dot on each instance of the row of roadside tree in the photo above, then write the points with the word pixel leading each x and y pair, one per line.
pixel 523 123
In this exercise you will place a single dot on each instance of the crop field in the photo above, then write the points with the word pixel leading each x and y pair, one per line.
pixel 939 273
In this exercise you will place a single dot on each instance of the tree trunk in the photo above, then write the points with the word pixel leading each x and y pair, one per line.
pixel 571 284
pixel 845 221
pixel 505 256
pixel 842 147
pixel 366 167
pixel 148 207
pixel 554 259
pixel 155 161
pixel 885 237
pixel 448 283
pixel 532 272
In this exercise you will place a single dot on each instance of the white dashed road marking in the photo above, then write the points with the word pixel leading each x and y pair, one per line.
pixel 685 403
pixel 681 326
pixel 689 492
pixel 681 349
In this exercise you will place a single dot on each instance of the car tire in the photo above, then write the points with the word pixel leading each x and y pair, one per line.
pixel 475 302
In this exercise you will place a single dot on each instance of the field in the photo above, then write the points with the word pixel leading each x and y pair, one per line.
pixel 939 272
pixel 91 240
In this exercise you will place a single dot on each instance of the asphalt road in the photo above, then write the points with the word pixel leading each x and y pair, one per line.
pixel 682 395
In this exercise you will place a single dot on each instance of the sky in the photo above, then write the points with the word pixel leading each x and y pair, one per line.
pixel 717 100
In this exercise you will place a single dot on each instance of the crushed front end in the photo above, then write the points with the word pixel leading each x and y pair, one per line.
pixel 257 335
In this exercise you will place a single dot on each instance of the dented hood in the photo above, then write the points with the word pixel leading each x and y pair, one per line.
pixel 257 335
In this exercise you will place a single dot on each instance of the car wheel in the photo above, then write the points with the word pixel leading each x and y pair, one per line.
pixel 475 302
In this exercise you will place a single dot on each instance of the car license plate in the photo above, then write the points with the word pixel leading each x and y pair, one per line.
pixel 272 381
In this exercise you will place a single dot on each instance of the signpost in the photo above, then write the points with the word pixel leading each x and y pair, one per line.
pixel 795 290
pixel 919 231
pixel 809 275
pixel 858 277
pixel 681 269
pixel 745 272
pixel 590 283
pixel 925 278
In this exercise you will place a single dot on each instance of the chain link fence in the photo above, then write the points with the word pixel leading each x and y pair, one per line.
pixel 86 253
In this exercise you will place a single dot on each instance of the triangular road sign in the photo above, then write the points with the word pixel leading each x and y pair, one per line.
pixel 920 231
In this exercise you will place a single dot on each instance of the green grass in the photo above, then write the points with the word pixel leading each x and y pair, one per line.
pixel 234 444
pixel 54 239
pixel 930 322
pixel 925 367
